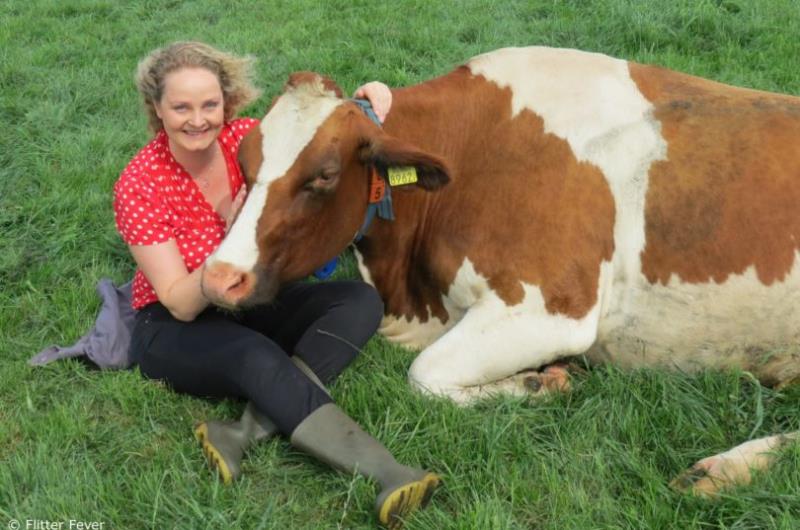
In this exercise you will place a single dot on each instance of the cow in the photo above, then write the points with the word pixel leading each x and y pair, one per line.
pixel 544 203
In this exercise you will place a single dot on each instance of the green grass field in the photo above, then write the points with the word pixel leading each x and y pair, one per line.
pixel 114 448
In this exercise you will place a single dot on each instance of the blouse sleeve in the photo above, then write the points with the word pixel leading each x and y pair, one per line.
pixel 140 217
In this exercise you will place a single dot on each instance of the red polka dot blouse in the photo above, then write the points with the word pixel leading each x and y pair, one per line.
pixel 156 200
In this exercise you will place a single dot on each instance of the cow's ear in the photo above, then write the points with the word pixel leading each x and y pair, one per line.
pixel 251 155
pixel 387 153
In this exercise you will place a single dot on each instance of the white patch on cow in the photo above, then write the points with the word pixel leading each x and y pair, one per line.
pixel 239 246
pixel 287 129
pixel 688 326
pixel 590 100
pixel 493 341
pixel 362 268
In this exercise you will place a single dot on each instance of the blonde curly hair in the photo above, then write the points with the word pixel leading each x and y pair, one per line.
pixel 234 74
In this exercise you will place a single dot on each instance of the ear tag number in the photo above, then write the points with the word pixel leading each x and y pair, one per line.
pixel 399 176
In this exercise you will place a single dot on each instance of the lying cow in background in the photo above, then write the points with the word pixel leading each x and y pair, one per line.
pixel 637 215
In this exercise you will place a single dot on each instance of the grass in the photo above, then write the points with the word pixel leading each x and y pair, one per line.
pixel 115 448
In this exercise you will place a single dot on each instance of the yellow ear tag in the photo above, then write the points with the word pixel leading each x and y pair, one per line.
pixel 398 176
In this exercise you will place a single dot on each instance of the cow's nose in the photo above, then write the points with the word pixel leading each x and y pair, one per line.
pixel 226 285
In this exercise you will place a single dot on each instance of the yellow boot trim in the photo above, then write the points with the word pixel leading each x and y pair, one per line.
pixel 405 500
pixel 214 458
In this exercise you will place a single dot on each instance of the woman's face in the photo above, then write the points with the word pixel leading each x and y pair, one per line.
pixel 191 108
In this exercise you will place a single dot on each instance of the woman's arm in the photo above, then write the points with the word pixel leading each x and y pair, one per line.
pixel 177 289
pixel 379 95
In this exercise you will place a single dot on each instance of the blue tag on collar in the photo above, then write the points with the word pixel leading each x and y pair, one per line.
pixel 324 272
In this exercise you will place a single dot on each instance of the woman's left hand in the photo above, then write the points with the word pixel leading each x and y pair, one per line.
pixel 236 205
pixel 379 95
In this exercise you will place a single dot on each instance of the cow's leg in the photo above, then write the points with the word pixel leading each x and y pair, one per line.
pixel 731 468
pixel 485 353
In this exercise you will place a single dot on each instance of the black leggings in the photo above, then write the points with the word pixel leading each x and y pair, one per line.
pixel 246 354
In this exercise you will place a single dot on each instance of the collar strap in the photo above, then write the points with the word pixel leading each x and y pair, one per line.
pixel 366 107
pixel 380 193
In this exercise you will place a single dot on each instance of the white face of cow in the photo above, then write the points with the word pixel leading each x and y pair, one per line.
pixel 287 129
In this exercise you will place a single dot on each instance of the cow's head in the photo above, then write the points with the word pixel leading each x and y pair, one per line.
pixel 307 169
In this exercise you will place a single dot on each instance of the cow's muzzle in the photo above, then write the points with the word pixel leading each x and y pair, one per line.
pixel 227 286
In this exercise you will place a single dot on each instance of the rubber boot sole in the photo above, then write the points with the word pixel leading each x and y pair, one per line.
pixel 407 498
pixel 213 456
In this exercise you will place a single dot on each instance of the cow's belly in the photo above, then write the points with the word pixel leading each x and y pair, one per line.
pixel 739 323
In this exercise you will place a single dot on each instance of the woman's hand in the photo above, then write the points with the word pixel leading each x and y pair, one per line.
pixel 236 205
pixel 379 95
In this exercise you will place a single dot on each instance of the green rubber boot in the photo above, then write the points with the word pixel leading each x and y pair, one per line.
pixel 224 442
pixel 331 436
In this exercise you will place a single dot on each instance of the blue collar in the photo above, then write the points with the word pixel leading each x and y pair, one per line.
pixel 380 193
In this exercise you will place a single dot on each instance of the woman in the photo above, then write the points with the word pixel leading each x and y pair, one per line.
pixel 173 204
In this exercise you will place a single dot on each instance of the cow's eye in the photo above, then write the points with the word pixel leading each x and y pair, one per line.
pixel 324 181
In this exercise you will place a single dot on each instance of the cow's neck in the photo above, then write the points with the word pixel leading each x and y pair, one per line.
pixel 410 264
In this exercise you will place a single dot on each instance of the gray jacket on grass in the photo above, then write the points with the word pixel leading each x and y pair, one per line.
pixel 107 343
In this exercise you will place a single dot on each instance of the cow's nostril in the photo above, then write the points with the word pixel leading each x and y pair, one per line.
pixel 230 281
pixel 236 282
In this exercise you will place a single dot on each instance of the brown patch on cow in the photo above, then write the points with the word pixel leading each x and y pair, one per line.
pixel 727 197
pixel 521 207
pixel 251 155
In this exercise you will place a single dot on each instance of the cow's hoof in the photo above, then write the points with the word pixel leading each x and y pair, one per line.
pixel 554 378
pixel 708 477
pixel 533 383
pixel 697 480
pixel 711 475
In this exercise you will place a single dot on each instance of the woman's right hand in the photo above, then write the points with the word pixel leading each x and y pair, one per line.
pixel 379 95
